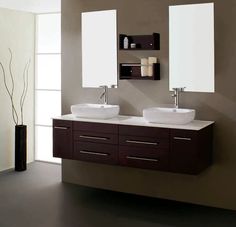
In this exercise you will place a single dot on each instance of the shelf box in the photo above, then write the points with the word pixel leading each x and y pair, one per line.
pixel 143 42
pixel 132 71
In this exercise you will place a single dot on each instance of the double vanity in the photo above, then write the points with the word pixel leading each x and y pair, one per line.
pixel 134 142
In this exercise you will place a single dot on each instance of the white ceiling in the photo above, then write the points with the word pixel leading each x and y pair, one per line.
pixel 34 6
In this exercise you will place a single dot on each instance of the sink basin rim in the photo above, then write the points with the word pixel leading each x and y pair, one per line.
pixel 95 111
pixel 163 115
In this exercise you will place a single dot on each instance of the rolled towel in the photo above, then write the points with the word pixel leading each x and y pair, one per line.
pixel 144 66
pixel 151 61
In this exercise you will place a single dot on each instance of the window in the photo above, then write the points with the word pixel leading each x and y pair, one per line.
pixel 47 82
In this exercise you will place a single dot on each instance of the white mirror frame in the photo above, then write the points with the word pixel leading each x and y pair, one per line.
pixel 191 47
pixel 99 48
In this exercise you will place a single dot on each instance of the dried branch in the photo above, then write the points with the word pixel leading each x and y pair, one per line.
pixel 25 89
pixel 14 112
pixel 10 92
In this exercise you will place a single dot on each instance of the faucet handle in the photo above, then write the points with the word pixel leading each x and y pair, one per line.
pixel 178 89
pixel 103 86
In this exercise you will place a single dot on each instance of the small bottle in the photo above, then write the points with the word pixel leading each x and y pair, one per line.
pixel 126 43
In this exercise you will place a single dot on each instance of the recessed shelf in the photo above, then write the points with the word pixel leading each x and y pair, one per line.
pixel 132 71
pixel 143 42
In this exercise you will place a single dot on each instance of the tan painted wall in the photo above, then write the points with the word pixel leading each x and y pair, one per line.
pixel 16 32
pixel 215 186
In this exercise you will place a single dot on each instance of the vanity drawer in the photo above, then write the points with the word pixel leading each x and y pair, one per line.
pixel 95 137
pixel 95 127
pixel 102 153
pixel 143 158
pixel 144 131
pixel 140 141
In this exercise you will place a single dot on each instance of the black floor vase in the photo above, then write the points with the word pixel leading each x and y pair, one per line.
pixel 20 147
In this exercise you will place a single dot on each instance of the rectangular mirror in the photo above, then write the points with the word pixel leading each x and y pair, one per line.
pixel 191 47
pixel 99 48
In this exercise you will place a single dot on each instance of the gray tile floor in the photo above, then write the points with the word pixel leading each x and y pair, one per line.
pixel 37 198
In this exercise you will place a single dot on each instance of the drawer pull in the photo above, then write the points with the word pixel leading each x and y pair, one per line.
pixel 142 159
pixel 62 128
pixel 141 142
pixel 93 137
pixel 182 138
pixel 93 153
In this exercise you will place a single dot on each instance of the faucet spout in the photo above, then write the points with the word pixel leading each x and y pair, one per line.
pixel 104 95
pixel 176 95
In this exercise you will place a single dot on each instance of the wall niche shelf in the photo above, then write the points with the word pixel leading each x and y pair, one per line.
pixel 143 42
pixel 132 71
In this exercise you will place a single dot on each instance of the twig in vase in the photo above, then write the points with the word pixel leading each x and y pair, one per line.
pixel 14 113
pixel 10 92
pixel 25 89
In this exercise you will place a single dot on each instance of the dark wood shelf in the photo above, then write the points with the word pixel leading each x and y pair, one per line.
pixel 132 71
pixel 143 42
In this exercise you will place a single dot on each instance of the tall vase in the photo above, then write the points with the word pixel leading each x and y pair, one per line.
pixel 20 147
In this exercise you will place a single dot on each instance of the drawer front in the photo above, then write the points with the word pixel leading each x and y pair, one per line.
pixel 143 158
pixel 95 127
pixel 95 137
pixel 101 153
pixel 148 142
pixel 144 131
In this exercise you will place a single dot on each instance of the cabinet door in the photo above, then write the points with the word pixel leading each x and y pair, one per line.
pixel 183 153
pixel 62 139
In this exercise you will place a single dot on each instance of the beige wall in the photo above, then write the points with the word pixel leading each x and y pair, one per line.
pixel 215 186
pixel 16 32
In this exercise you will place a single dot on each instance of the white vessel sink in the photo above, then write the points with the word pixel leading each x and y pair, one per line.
pixel 168 115
pixel 96 111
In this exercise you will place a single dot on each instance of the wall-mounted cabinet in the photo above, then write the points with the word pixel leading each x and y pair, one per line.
pixel 167 149
pixel 137 71
pixel 142 42
pixel 132 71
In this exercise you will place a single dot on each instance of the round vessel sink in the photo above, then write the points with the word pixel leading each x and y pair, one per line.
pixel 96 111
pixel 168 115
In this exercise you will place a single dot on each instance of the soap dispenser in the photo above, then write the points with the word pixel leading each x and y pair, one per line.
pixel 126 43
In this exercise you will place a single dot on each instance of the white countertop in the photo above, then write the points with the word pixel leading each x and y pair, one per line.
pixel 138 121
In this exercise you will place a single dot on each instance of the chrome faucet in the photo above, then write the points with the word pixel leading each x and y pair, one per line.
pixel 176 95
pixel 104 95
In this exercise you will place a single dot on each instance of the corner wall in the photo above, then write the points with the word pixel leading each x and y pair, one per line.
pixel 214 187
pixel 17 31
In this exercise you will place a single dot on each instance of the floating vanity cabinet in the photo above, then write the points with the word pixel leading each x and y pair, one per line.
pixel 191 151
pixel 144 147
pixel 143 42
pixel 132 71
pixel 95 142
pixel 62 139
pixel 130 141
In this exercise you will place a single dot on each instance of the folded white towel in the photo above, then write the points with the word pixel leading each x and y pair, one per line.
pixel 151 61
pixel 144 66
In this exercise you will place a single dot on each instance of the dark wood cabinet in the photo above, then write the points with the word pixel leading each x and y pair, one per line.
pixel 62 139
pixel 174 150
pixel 191 151
pixel 132 71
